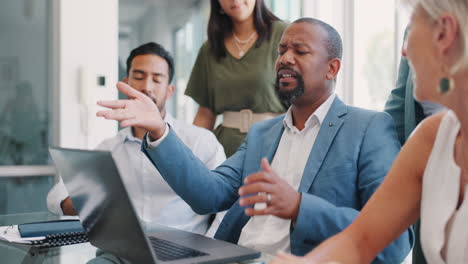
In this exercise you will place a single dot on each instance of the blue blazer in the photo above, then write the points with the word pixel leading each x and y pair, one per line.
pixel 401 105
pixel 352 153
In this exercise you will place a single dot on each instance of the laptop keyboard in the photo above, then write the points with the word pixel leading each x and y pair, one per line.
pixel 167 251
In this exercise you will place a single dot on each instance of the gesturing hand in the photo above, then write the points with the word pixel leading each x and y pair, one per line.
pixel 267 187
pixel 139 111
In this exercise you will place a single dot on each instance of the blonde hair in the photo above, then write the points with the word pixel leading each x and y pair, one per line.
pixel 459 9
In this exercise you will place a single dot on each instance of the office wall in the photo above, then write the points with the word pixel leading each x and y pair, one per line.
pixel 87 40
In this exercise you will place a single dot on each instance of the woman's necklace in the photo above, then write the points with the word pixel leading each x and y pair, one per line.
pixel 239 43
pixel 243 42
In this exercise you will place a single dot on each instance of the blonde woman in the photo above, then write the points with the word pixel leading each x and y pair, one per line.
pixel 430 175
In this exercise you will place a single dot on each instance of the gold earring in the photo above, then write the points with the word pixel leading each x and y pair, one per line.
pixel 446 84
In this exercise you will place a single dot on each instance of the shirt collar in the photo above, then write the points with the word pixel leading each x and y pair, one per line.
pixel 318 115
pixel 127 133
pixel 169 119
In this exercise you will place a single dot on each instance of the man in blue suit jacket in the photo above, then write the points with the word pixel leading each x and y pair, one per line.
pixel 339 153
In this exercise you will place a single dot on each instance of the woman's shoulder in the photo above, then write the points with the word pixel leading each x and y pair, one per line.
pixel 427 130
pixel 205 54
pixel 278 27
pixel 414 155
pixel 204 49
pixel 277 30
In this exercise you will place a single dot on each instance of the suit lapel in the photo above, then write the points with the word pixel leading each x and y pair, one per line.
pixel 268 149
pixel 328 130
pixel 271 141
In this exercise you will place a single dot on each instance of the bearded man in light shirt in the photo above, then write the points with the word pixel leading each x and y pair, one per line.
pixel 327 158
pixel 150 70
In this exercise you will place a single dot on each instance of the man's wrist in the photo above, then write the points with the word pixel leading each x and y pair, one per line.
pixel 67 207
pixel 157 134
pixel 295 213
pixel 152 142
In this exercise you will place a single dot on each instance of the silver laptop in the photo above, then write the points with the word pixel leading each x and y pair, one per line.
pixel 109 219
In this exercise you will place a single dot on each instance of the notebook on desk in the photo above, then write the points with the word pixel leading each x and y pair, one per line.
pixel 45 234
pixel 46 228
pixel 111 223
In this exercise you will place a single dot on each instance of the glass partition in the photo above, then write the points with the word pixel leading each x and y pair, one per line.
pixel 25 103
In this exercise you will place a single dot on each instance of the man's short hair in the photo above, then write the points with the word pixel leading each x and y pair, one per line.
pixel 155 49
pixel 333 42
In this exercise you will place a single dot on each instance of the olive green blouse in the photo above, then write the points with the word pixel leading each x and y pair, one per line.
pixel 231 84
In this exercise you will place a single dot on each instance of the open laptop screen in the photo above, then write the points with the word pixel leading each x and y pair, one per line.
pixel 102 202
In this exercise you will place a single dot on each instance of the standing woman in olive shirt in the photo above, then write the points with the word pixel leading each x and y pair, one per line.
pixel 234 72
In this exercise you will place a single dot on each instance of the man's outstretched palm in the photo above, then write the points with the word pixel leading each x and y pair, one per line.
pixel 138 111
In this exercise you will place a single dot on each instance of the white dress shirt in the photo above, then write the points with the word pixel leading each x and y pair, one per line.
pixel 270 233
pixel 154 200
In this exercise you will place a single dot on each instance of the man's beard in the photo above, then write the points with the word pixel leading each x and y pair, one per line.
pixel 288 97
